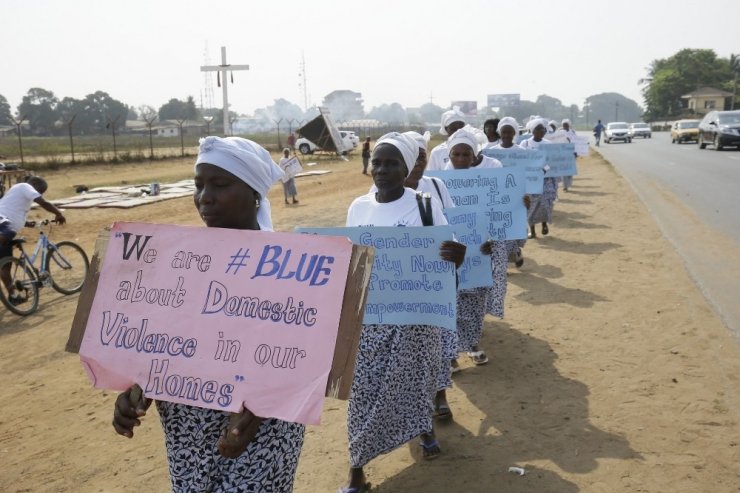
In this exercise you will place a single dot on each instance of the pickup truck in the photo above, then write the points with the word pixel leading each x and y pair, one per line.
pixel 350 140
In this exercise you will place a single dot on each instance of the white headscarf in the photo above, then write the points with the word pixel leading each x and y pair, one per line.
pixel 565 120
pixel 508 121
pixel 248 161
pixel 463 136
pixel 534 122
pixel 449 117
pixel 408 147
pixel 552 125
pixel 421 140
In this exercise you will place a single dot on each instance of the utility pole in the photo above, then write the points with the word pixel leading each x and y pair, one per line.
pixel 18 125
pixel 302 82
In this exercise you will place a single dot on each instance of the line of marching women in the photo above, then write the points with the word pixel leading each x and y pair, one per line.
pixel 402 372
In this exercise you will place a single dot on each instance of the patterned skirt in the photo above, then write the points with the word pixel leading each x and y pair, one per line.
pixel 471 309
pixel 514 248
pixel 540 209
pixel 191 435
pixel 449 352
pixel 393 389
pixel 497 294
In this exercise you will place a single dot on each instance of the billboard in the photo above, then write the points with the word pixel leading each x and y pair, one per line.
pixel 469 108
pixel 501 100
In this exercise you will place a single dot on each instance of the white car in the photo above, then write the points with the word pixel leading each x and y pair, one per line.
pixel 350 139
pixel 640 130
pixel 351 136
pixel 617 131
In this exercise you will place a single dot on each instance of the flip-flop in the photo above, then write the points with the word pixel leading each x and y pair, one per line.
pixel 426 447
pixel 478 357
pixel 442 411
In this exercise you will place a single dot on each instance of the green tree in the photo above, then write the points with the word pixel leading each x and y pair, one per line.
pixel 175 109
pixel 97 111
pixel 39 106
pixel 612 106
pixel 4 111
pixel 735 68
pixel 670 78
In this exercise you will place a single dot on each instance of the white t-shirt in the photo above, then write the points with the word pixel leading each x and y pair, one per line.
pixel 499 146
pixel 487 162
pixel 426 185
pixel 530 143
pixel 366 211
pixel 438 158
pixel 488 145
pixel 16 203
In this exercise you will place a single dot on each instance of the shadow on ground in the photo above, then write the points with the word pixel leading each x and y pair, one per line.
pixel 555 243
pixel 538 289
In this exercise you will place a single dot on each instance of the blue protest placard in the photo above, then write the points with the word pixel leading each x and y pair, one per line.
pixel 496 192
pixel 533 162
pixel 410 283
pixel 471 229
pixel 561 158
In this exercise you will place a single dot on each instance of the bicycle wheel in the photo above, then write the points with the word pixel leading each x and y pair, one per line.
pixel 67 265
pixel 26 287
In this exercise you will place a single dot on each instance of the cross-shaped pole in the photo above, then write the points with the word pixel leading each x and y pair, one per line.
pixel 223 68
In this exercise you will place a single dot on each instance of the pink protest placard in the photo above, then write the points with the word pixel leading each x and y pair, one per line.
pixel 218 318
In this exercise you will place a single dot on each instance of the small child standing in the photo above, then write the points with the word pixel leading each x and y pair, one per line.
pixel 289 188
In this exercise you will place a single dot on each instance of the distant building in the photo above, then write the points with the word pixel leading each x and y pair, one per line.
pixel 167 128
pixel 344 105
pixel 706 99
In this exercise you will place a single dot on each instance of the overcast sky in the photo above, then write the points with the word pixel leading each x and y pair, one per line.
pixel 410 52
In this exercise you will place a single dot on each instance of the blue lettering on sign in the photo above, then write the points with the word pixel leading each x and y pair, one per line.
pixel 275 261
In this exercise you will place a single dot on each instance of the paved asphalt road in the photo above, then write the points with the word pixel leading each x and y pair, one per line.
pixel 695 197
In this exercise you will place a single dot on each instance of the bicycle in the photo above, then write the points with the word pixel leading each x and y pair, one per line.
pixel 63 266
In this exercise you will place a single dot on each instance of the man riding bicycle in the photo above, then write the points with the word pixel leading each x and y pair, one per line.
pixel 14 208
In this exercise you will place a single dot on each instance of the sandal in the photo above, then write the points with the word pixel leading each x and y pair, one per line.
pixel 545 229
pixel 478 357
pixel 442 411
pixel 431 450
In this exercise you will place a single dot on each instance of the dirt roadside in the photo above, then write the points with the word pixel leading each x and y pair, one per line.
pixel 609 373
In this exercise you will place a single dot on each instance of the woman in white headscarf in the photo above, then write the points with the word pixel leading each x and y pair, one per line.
pixel 452 121
pixel 570 134
pixel 472 303
pixel 508 129
pixel 464 142
pixel 210 450
pixel 416 180
pixel 541 205
pixel 397 365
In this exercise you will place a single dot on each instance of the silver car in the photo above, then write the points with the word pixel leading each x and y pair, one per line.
pixel 617 131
